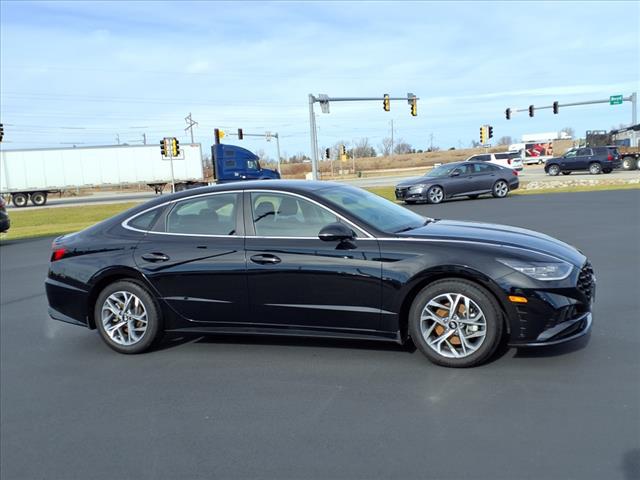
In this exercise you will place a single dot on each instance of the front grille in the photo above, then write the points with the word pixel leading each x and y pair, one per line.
pixel 586 281
pixel 401 192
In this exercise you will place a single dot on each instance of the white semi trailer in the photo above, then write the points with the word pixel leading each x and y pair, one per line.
pixel 34 174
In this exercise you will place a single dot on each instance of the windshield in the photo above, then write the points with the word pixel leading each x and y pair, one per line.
pixel 382 214
pixel 442 171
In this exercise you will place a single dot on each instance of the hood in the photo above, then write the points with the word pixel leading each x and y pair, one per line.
pixel 414 181
pixel 499 235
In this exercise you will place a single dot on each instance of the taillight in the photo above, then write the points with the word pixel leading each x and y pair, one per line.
pixel 58 254
pixel 515 172
pixel 509 160
pixel 610 157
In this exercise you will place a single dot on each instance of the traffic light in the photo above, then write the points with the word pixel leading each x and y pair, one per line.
pixel 386 103
pixel 507 113
pixel 555 107
pixel 163 147
pixel 1 132
pixel 327 153
pixel 414 106
pixel 343 150
pixel 531 110
pixel 240 136
pixel 483 135
pixel 175 147
pixel 490 131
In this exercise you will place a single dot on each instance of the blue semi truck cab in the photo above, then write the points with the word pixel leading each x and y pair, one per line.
pixel 232 163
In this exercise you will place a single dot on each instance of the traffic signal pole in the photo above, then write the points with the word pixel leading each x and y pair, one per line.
pixel 324 100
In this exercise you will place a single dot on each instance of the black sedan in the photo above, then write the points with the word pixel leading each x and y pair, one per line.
pixel 458 179
pixel 317 259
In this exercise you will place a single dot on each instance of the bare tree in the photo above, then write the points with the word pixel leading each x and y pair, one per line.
pixel 569 131
pixel 361 148
pixel 402 147
pixel 506 140
pixel 385 146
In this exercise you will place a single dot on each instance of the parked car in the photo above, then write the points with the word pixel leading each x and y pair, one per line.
pixel 318 259
pixel 594 159
pixel 458 179
pixel 504 159
pixel 5 222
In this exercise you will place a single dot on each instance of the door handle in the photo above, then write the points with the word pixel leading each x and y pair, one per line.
pixel 265 259
pixel 155 257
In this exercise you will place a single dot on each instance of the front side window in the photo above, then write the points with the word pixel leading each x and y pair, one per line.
pixel 281 215
pixel 253 165
pixel 570 154
pixel 205 215
pixel 584 152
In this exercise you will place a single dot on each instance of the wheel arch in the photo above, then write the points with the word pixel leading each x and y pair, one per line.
pixel 106 277
pixel 453 272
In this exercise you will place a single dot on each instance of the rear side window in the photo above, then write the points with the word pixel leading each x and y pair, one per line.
pixel 484 168
pixel 147 220
pixel 584 152
pixel 205 215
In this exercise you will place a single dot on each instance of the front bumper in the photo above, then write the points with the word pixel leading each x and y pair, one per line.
pixel 562 333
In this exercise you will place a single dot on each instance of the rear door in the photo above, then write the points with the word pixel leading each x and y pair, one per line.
pixel 485 176
pixel 194 257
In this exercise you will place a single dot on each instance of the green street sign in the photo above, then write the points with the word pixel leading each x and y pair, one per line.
pixel 615 100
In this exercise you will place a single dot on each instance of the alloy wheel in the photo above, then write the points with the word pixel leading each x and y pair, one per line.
pixel 124 318
pixel 501 188
pixel 436 195
pixel 453 325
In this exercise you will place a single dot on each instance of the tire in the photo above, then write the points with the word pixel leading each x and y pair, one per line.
pixel 20 199
pixel 540 162
pixel 566 173
pixel 435 194
pixel 39 198
pixel 121 340
pixel 427 332
pixel 553 170
pixel 473 197
pixel 500 189
pixel 628 163
pixel 595 168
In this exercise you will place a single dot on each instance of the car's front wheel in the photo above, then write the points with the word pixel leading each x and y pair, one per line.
pixel 500 189
pixel 553 170
pixel 127 317
pixel 435 194
pixel 455 323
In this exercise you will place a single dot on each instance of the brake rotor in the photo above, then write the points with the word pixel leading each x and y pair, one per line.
pixel 442 313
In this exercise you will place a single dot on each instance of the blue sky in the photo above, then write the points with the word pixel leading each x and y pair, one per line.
pixel 74 72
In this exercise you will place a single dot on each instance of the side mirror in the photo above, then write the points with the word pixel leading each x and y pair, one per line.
pixel 336 232
pixel 455 173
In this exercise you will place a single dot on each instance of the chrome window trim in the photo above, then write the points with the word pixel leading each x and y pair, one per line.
pixel 125 223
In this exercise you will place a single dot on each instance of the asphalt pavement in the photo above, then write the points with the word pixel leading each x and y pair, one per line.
pixel 244 407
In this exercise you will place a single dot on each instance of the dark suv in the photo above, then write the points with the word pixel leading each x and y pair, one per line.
pixel 594 159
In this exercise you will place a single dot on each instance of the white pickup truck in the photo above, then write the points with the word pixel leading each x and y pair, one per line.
pixel 504 159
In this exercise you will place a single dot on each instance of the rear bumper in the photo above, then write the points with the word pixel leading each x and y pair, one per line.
pixel 561 333
pixel 67 303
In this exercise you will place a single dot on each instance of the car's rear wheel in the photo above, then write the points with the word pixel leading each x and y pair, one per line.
pixel 553 170
pixel 127 317
pixel 595 168
pixel 566 173
pixel 628 163
pixel 455 323
pixel 435 194
pixel 39 198
pixel 500 189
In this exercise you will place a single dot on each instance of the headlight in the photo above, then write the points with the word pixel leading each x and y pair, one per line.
pixel 416 188
pixel 540 270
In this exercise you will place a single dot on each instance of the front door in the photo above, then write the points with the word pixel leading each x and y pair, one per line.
pixel 298 281
pixel 194 257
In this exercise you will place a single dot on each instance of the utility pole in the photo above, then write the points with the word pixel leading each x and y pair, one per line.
pixel 118 138
pixel 144 138
pixel 278 148
pixel 392 139
pixel 190 124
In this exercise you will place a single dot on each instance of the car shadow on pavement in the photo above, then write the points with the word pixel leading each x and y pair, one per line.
pixel 554 350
